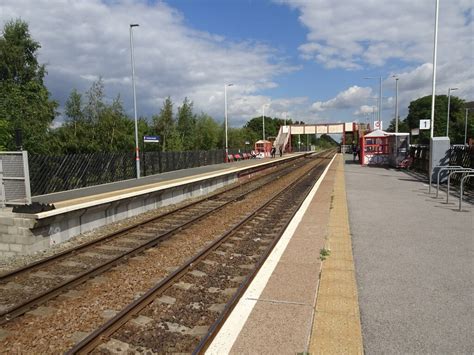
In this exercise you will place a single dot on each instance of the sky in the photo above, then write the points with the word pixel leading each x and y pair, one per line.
pixel 303 59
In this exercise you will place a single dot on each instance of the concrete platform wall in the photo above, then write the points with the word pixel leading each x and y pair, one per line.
pixel 24 234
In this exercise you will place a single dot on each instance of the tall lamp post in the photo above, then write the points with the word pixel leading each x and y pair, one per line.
pixel 465 126
pixel 380 97
pixel 433 92
pixel 396 103
pixel 263 121
pixel 449 107
pixel 137 153
pixel 225 123
pixel 433 82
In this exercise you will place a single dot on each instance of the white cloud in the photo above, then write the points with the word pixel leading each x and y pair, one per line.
pixel 82 40
pixel 346 99
pixel 356 33
pixel 366 110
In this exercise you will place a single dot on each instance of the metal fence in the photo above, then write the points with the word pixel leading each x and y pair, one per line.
pixel 50 174
pixel 458 155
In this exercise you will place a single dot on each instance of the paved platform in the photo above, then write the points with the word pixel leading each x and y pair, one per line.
pixel 278 313
pixel 398 278
pixel 414 264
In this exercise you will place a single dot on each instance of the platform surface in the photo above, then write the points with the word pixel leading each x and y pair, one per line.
pixel 414 264
pixel 412 268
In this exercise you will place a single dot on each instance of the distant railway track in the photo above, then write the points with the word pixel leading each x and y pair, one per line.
pixel 30 286
pixel 183 312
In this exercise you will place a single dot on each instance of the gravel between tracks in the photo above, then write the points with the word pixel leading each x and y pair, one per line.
pixel 17 261
pixel 68 318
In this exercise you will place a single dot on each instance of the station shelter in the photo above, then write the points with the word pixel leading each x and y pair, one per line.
pixel 374 148
pixel 398 148
pixel 383 148
pixel 263 146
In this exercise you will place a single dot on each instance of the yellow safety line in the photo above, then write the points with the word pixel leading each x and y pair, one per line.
pixel 336 326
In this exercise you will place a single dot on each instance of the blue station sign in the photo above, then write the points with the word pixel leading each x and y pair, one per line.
pixel 151 139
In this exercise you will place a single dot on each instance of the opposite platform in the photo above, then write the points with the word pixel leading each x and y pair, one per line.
pixel 82 210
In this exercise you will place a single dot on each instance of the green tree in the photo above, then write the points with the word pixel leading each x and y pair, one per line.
pixel 420 109
pixel 25 101
pixel 95 125
pixel 186 124
pixel 4 136
pixel 272 126
pixel 164 125
pixel 402 126
pixel 207 133
pixel 74 109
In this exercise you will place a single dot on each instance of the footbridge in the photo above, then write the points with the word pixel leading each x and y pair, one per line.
pixel 283 138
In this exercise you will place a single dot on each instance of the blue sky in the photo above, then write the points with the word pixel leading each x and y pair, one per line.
pixel 300 58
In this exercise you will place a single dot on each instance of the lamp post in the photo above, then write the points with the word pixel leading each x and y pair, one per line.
pixel 465 127
pixel 449 107
pixel 263 121
pixel 137 153
pixel 433 91
pixel 433 84
pixel 380 97
pixel 396 103
pixel 225 121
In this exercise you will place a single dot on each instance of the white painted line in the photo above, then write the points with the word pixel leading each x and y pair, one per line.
pixel 231 329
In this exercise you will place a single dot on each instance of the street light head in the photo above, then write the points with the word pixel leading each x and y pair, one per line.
pixel 452 89
pixel 134 25
pixel 230 84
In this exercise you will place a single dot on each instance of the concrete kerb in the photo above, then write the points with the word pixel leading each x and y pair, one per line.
pixel 336 326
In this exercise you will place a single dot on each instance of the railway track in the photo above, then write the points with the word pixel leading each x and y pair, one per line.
pixel 28 287
pixel 183 312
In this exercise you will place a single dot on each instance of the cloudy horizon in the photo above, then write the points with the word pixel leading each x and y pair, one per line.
pixel 305 60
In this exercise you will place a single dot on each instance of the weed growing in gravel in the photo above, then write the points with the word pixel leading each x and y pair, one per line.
pixel 323 253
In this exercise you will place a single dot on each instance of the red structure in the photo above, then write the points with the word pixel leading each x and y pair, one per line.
pixel 374 148
pixel 263 146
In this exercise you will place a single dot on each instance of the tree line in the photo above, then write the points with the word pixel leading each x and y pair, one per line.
pixel 89 122
pixel 420 109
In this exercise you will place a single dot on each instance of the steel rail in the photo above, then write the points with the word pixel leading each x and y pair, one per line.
pixel 111 235
pixel 113 324
pixel 219 322
pixel 23 307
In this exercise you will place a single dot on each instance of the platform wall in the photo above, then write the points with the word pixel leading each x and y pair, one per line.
pixel 23 234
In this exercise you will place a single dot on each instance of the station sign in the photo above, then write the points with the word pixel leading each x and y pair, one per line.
pixel 151 139
pixel 378 124
pixel 425 124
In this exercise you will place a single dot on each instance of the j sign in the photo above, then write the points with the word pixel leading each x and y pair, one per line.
pixel 151 139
